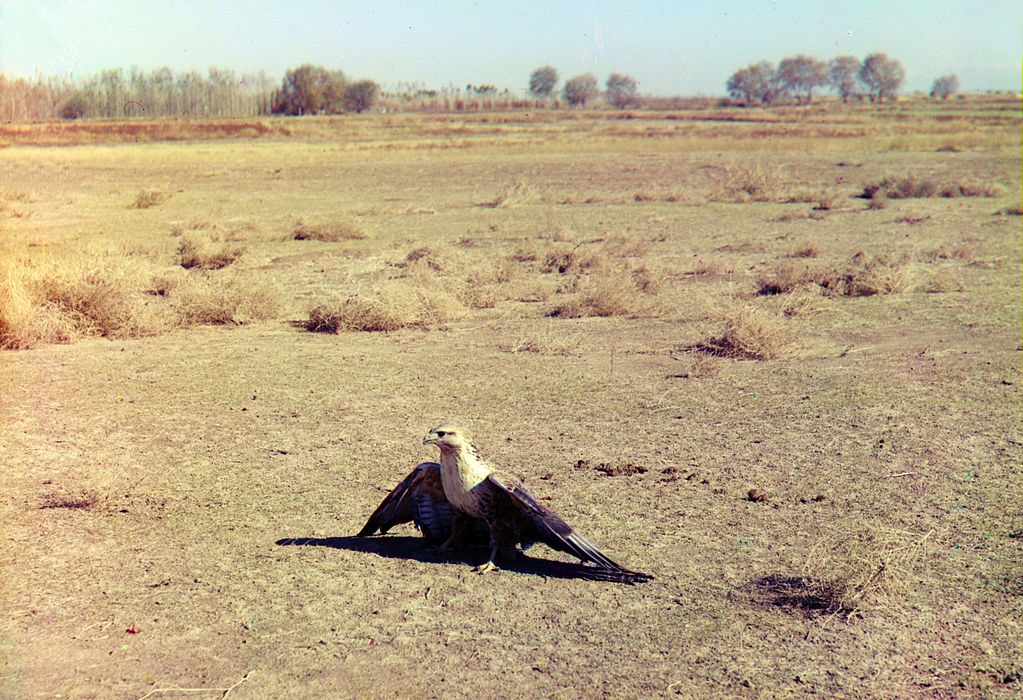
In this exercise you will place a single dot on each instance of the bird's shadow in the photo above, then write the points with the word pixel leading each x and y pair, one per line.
pixel 416 548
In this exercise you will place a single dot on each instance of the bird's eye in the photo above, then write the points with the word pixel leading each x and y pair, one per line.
pixel 440 433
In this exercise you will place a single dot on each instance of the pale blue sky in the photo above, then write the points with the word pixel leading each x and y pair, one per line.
pixel 680 47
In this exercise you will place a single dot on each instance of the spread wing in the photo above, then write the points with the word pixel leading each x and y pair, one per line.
pixel 418 499
pixel 545 525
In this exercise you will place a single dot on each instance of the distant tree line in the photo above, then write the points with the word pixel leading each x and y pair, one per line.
pixel 311 89
pixel 314 90
pixel 877 78
pixel 135 93
pixel 163 93
pixel 621 90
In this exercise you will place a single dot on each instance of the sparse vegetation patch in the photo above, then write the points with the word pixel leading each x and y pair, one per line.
pixel 148 198
pixel 390 307
pixel 914 186
pixel 750 334
pixel 343 229
pixel 206 253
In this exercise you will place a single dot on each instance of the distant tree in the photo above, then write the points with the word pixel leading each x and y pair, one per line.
pixel 581 89
pixel 882 76
pixel 542 82
pixel 801 74
pixel 310 89
pixel 945 86
pixel 740 86
pixel 759 82
pixel 621 90
pixel 843 73
pixel 74 107
pixel 360 96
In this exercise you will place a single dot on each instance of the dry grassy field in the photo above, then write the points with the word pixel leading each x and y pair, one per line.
pixel 771 357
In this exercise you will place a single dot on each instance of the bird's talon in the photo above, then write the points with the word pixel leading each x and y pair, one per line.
pixel 484 568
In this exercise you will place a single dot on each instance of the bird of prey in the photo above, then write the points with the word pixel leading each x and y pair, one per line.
pixel 462 499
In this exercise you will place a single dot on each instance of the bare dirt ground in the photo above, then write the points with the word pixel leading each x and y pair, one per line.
pixel 842 519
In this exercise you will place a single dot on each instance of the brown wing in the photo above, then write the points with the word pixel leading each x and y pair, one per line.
pixel 418 499
pixel 547 527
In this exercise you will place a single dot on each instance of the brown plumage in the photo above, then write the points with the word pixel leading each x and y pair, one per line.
pixel 463 499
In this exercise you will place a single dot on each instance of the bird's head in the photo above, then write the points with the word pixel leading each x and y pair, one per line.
pixel 448 438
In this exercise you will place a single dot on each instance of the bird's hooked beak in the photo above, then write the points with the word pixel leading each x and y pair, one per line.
pixel 430 438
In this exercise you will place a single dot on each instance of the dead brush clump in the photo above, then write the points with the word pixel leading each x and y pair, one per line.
pixel 147 198
pixel 609 294
pixel 389 307
pixel 823 200
pixel 546 342
pixel 913 186
pixel 488 283
pixel 759 182
pixel 786 277
pixel 26 319
pixel 226 298
pixel 73 498
pixel 749 334
pixel 332 231
pixel 868 275
pixel 576 259
pixel 204 252
pixel 59 298
pixel 857 565
pixel 516 194
pixel 863 275
pixel 809 251
pixel 697 364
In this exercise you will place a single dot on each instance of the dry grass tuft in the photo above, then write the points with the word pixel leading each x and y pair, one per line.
pixel 912 186
pixel 867 275
pixel 148 198
pixel 697 364
pixel 810 251
pixel 787 276
pixel 72 498
pixel 573 260
pixel 58 299
pixel 546 342
pixel 750 334
pixel 517 194
pixel 615 294
pixel 759 182
pixel 864 275
pixel 390 307
pixel 225 299
pixel 344 229
pixel 824 200
pixel 206 253
pixel 862 564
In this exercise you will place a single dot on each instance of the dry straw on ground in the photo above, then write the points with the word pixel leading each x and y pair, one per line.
pixel 750 334
pixel 206 252
pixel 389 307
pixel 914 186
pixel 148 198
pixel 60 298
pixel 760 181
pixel 516 194
pixel 857 565
pixel 330 231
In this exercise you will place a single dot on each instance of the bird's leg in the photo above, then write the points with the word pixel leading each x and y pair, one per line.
pixel 457 533
pixel 490 565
